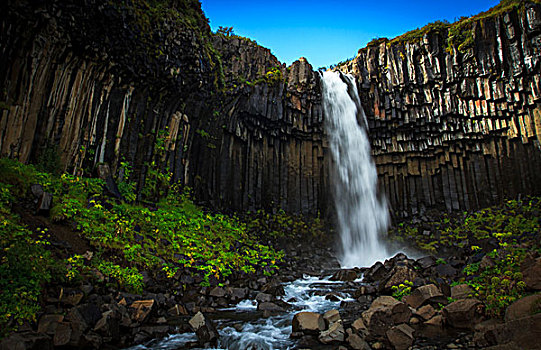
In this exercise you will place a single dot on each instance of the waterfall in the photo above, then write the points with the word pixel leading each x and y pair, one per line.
pixel 362 215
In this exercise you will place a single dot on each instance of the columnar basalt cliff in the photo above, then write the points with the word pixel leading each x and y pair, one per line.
pixel 456 128
pixel 272 149
pixel 452 128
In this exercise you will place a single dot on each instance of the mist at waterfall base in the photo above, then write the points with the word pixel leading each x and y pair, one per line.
pixel 362 215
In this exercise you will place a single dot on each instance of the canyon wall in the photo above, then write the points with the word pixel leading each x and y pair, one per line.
pixel 456 128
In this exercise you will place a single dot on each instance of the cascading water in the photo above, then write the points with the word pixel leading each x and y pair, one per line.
pixel 362 215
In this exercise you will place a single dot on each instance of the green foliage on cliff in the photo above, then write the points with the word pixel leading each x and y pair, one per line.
pixel 171 238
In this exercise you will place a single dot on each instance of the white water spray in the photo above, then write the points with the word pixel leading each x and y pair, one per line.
pixel 362 215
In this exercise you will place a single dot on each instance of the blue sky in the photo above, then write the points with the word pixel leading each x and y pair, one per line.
pixel 327 32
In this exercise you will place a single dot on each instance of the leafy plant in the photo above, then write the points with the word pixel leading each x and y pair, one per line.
pixel 402 290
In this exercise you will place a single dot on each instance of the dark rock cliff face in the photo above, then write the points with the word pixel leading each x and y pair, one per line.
pixel 101 82
pixel 94 81
pixel 271 148
pixel 456 131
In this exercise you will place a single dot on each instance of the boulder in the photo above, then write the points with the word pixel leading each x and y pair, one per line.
pixel 532 274
pixel 204 329
pixel 461 291
pixel 375 273
pixel 357 343
pixel 308 323
pixel 334 334
pixel 263 297
pixel 345 275
pixel 359 327
pixel 217 292
pixel 140 309
pixel 429 293
pixel 436 321
pixel 26 341
pixel 63 334
pixel 48 323
pixel 426 312
pixel 401 336
pixel 272 307
pixel 400 274
pixel 237 294
pixel 71 296
pixel 524 307
pixel 445 270
pixel 463 313
pixel 332 316
pixel 426 262
pixel 385 312
pixel 177 310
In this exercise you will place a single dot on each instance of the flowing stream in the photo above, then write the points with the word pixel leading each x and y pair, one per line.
pixel 242 327
pixel 362 215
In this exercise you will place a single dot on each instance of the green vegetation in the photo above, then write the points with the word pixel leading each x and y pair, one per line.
pixel 171 238
pixel 402 290
pixel 502 234
pixel 264 224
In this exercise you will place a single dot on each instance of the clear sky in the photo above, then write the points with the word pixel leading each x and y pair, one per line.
pixel 327 32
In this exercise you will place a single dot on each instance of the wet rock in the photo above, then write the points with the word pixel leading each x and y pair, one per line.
pixel 345 275
pixel 436 321
pixel 204 329
pixel 272 307
pixel 401 336
pixel 425 294
pixel 364 290
pixel 177 310
pixel 263 297
pixel 308 323
pixel 274 287
pixel 463 313
pixel 385 312
pixel 375 273
pixel 461 291
pixel 108 325
pixel 532 275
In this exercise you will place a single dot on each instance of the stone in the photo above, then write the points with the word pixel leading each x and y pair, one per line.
pixel 204 329
pixel 400 274
pixel 48 323
pixel 357 343
pixel 308 323
pixel 436 321
pixel 375 273
pixel 524 307
pixel 334 334
pixel 425 294
pixel 331 316
pixel 359 327
pixel 385 312
pixel 26 341
pixel 217 292
pixel 426 312
pixel 267 306
pixel 461 291
pixel 263 297
pixel 345 275
pixel 141 309
pixel 532 275
pixel 71 297
pixel 426 262
pixel 445 270
pixel 44 203
pixel 62 335
pixel 401 336
pixel 463 313
pixel 237 294
pixel 177 310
